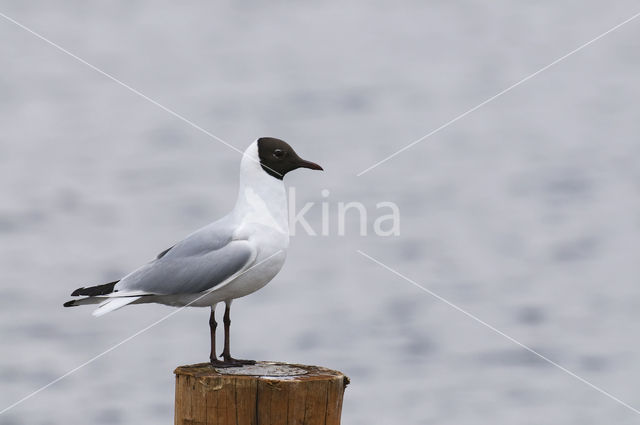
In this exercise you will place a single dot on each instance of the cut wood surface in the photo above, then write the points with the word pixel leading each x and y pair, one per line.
pixel 267 393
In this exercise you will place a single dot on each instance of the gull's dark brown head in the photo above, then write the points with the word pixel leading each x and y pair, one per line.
pixel 277 158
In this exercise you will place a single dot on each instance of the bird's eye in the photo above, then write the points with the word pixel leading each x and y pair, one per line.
pixel 278 153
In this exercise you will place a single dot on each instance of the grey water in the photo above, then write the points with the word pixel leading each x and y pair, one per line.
pixel 524 213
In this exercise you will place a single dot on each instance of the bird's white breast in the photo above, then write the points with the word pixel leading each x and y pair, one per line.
pixel 260 217
pixel 261 214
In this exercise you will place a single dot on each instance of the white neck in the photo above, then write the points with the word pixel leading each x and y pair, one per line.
pixel 262 198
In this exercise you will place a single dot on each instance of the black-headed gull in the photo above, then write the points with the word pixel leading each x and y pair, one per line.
pixel 228 259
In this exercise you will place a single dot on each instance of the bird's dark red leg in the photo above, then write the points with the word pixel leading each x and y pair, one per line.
pixel 212 327
pixel 226 354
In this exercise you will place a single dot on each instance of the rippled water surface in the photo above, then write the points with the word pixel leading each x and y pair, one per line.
pixel 524 213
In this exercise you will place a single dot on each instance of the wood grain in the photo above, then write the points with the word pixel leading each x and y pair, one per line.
pixel 268 393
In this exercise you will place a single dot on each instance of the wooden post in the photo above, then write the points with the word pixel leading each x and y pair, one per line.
pixel 267 393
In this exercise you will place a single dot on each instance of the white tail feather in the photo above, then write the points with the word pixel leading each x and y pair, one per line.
pixel 113 304
pixel 88 300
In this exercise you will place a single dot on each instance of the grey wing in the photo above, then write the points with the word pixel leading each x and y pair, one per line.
pixel 190 269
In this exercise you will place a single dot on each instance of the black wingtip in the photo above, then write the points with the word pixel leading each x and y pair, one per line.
pixel 93 291
pixel 71 303
pixel 76 293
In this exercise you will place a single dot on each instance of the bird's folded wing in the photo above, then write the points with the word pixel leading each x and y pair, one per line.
pixel 190 273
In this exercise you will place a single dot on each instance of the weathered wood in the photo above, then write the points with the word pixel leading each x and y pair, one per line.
pixel 266 393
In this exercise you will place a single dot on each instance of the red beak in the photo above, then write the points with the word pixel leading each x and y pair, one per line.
pixel 308 164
